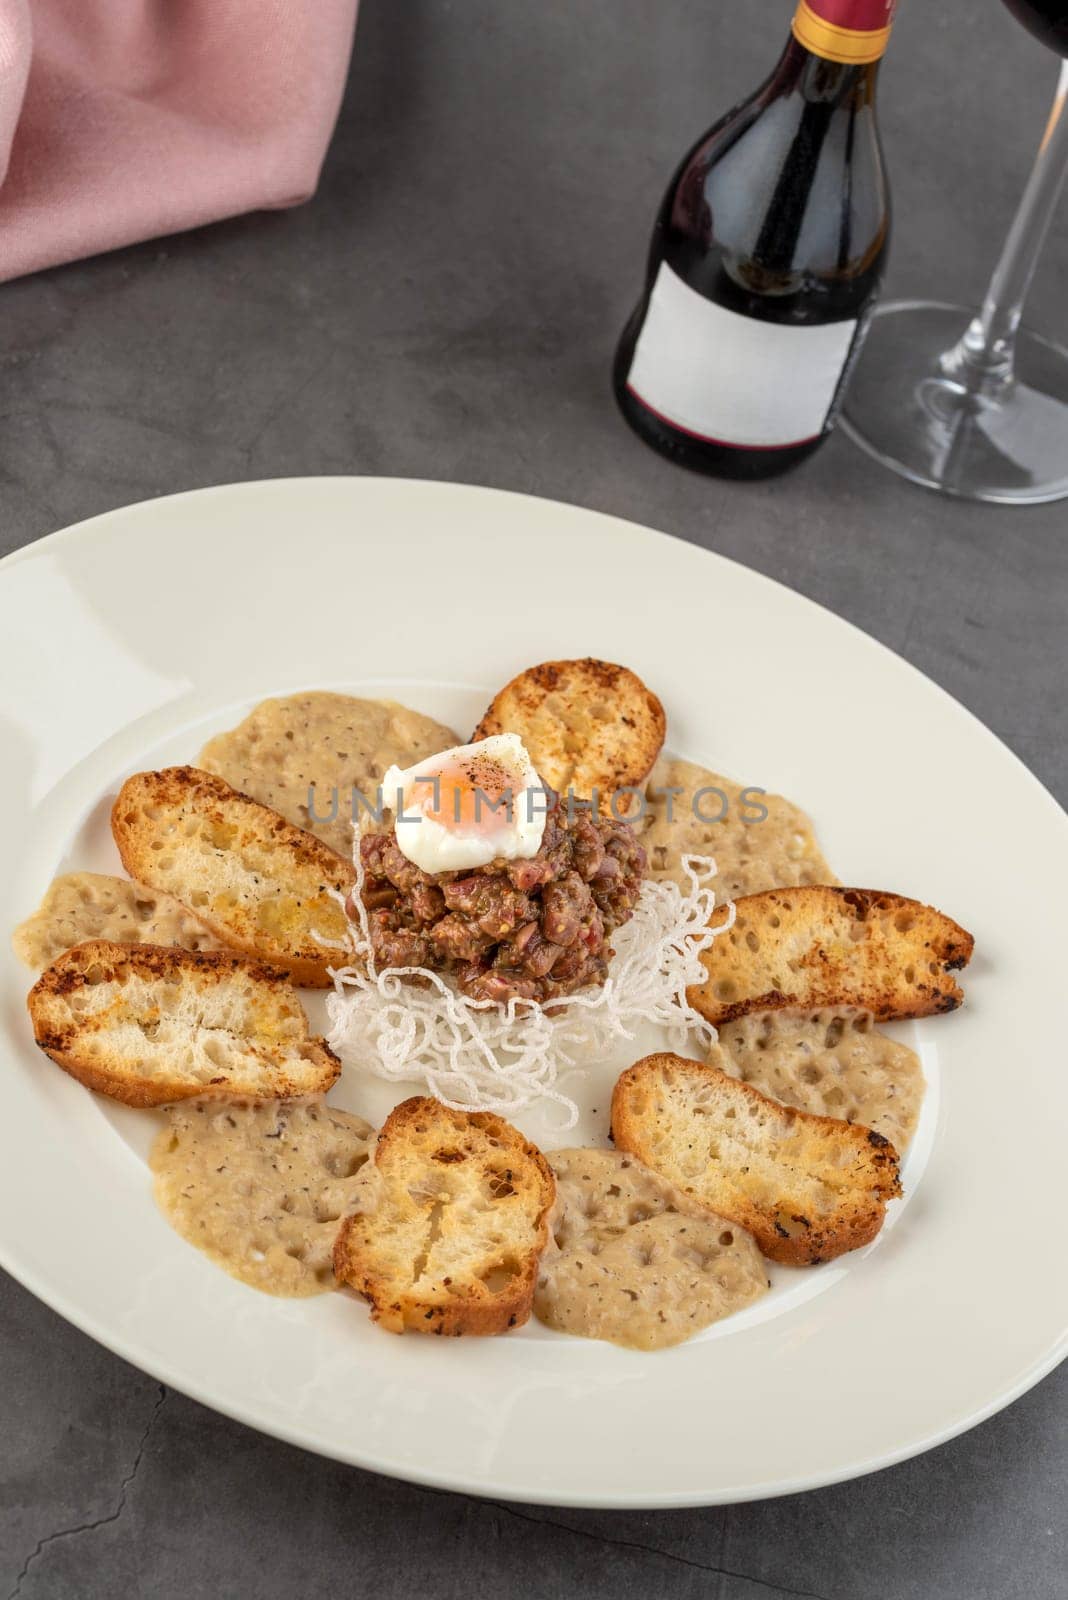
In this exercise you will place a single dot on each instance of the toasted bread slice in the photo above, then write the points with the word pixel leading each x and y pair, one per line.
pixel 151 1026
pixel 262 886
pixel 456 1208
pixel 319 747
pixel 824 946
pixel 589 726
pixel 93 905
pixel 807 1188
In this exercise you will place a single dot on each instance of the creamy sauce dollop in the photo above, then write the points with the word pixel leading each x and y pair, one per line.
pixel 633 1260
pixel 261 1188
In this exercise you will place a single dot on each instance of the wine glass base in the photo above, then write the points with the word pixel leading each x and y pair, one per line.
pixel 1010 447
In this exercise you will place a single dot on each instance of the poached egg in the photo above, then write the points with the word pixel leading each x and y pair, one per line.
pixel 468 806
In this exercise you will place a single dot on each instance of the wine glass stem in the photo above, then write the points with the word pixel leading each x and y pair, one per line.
pixel 983 360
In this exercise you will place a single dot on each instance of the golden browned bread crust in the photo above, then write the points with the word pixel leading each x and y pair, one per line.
pixel 151 1026
pixel 264 887
pixel 587 725
pixel 826 946
pixel 807 1188
pixel 453 1222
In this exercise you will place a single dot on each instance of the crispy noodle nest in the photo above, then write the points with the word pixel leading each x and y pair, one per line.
pixel 480 1055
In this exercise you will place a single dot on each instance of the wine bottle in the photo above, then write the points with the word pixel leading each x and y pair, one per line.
pixel 766 260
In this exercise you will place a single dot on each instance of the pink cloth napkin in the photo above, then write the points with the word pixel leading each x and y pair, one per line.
pixel 124 119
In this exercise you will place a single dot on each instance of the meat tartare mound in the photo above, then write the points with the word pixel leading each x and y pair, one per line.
pixel 535 929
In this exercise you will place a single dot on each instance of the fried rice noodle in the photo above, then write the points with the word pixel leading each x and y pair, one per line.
pixel 480 1055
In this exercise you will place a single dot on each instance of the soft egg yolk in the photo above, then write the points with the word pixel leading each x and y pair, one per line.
pixel 467 797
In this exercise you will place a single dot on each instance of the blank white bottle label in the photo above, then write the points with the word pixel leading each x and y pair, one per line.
pixel 730 379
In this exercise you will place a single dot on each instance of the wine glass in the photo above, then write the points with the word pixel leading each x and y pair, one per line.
pixel 975 405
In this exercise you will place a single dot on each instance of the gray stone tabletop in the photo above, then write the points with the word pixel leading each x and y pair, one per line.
pixel 447 308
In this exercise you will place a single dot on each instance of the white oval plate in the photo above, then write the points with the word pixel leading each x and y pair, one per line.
pixel 125 641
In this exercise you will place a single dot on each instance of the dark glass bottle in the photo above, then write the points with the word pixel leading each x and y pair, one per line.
pixel 766 260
